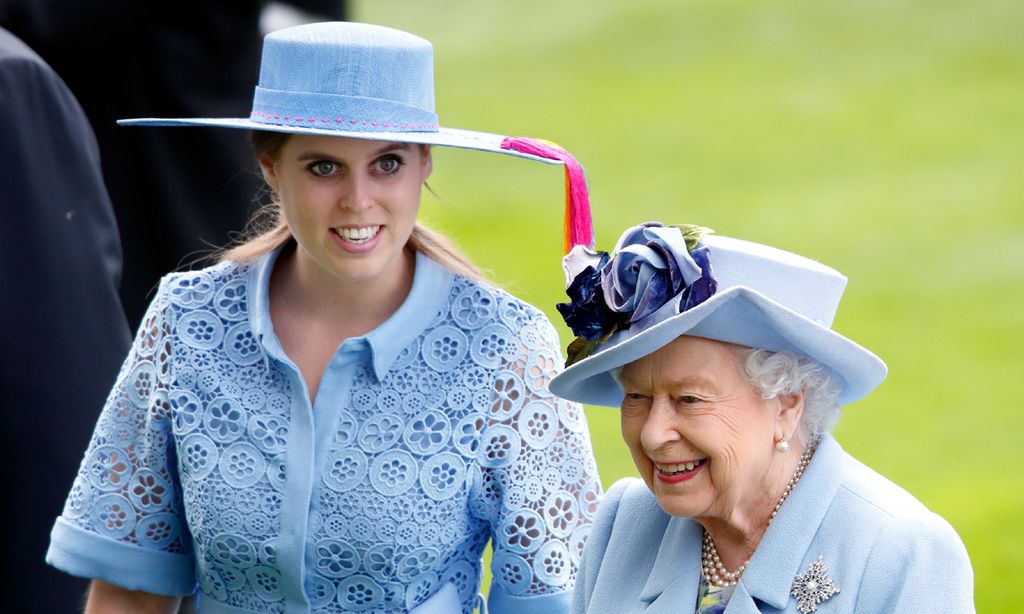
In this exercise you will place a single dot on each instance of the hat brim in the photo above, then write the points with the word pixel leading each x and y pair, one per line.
pixel 738 315
pixel 446 137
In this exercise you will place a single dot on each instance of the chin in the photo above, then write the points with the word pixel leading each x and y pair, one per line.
pixel 359 269
pixel 674 505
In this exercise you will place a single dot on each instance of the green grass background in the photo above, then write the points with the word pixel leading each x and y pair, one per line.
pixel 880 137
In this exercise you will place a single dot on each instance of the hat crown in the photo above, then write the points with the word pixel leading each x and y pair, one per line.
pixel 802 285
pixel 350 59
pixel 348 77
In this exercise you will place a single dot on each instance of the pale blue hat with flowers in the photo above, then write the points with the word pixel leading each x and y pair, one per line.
pixel 663 282
pixel 365 81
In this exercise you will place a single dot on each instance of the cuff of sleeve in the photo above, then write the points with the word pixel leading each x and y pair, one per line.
pixel 500 602
pixel 87 555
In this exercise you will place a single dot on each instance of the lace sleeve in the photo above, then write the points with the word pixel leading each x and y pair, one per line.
pixel 123 521
pixel 539 469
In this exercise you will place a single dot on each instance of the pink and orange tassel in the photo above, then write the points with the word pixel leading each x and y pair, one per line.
pixel 579 228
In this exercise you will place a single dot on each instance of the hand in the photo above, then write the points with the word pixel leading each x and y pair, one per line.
pixel 106 598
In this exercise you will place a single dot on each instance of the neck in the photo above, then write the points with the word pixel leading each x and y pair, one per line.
pixel 347 307
pixel 737 534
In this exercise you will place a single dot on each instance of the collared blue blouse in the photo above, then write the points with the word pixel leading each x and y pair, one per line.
pixel 429 436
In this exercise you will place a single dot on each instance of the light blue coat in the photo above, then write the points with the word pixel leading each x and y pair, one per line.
pixel 884 550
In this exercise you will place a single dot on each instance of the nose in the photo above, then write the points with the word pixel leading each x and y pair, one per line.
pixel 359 196
pixel 659 429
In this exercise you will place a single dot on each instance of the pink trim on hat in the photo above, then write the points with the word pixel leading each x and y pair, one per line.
pixel 340 120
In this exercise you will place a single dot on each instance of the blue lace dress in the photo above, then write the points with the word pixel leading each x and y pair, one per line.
pixel 209 470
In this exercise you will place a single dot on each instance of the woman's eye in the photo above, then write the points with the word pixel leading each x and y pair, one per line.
pixel 389 164
pixel 323 168
pixel 634 396
pixel 689 399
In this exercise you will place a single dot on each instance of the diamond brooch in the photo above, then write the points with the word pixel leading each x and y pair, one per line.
pixel 813 587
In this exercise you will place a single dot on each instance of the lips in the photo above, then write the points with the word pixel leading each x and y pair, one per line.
pixel 675 473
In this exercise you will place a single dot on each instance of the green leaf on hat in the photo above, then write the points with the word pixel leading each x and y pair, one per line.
pixel 692 234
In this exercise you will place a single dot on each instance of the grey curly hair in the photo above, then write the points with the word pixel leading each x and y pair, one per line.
pixel 779 373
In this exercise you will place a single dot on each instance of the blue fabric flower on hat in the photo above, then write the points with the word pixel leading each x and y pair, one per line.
pixel 652 265
pixel 587 314
pixel 705 286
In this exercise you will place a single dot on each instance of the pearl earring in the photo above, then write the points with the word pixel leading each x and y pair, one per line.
pixel 782 446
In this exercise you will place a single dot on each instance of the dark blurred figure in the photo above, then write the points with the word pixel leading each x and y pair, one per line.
pixel 64 334
pixel 176 193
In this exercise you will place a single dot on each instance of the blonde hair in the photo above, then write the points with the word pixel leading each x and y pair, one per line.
pixel 268 230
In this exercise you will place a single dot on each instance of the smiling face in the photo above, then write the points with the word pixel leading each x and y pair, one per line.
pixel 701 436
pixel 351 204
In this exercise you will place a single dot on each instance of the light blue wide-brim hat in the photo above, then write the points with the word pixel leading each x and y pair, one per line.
pixel 364 81
pixel 352 80
pixel 766 298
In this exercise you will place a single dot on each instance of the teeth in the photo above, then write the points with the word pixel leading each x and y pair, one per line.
pixel 679 467
pixel 357 235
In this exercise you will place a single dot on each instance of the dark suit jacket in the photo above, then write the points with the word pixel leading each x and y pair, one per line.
pixel 63 333
pixel 177 192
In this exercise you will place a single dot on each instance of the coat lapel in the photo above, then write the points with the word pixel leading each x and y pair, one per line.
pixel 671 586
pixel 780 555
pixel 672 583
pixel 741 602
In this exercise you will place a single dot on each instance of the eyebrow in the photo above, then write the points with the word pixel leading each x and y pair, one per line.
pixel 698 382
pixel 319 155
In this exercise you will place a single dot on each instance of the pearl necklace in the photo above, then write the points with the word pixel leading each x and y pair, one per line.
pixel 711 565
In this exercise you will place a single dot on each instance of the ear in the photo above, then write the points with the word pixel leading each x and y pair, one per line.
pixel 428 161
pixel 791 407
pixel 269 168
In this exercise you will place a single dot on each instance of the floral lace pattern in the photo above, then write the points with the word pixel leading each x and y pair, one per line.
pixel 457 443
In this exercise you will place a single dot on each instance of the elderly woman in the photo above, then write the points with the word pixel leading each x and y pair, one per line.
pixel 729 378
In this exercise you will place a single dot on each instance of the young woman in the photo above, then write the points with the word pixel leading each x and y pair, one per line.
pixel 341 414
